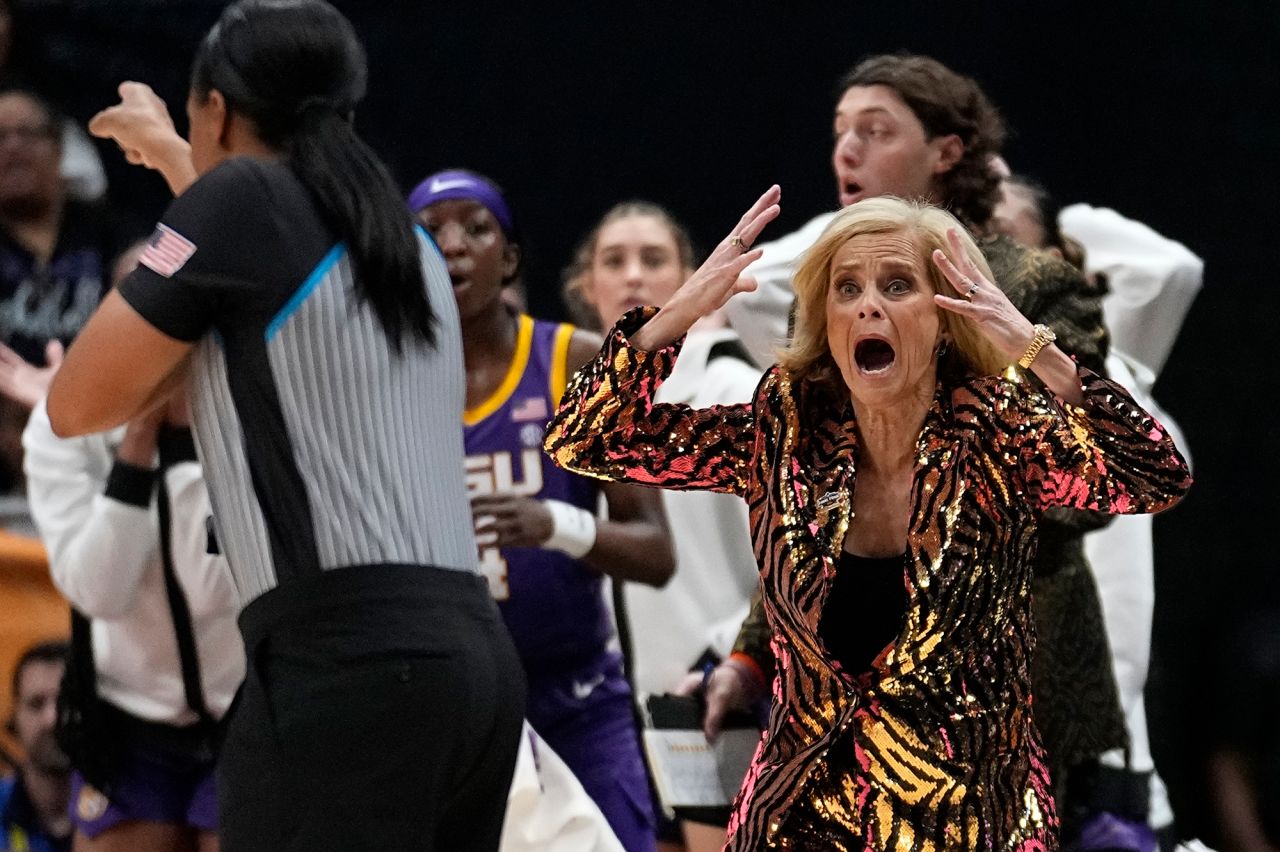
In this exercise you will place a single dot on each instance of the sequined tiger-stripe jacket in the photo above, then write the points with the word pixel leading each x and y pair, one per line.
pixel 946 752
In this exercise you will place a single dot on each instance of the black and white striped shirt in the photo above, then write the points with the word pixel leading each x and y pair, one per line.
pixel 322 446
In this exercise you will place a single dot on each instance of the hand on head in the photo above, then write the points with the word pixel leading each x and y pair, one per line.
pixel 721 275
pixel 979 299
pixel 716 280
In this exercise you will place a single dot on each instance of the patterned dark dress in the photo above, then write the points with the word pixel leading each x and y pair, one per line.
pixel 1078 710
pixel 935 747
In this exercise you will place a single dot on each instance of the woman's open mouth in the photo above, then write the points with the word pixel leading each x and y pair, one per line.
pixel 873 355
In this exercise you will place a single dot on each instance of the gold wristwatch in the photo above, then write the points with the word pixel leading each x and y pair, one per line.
pixel 1043 337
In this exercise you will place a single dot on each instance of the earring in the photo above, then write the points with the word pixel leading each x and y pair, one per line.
pixel 942 348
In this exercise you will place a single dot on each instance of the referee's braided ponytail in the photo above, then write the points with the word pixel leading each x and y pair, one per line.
pixel 296 70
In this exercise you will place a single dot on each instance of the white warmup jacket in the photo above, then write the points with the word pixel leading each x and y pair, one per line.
pixel 104 554
pixel 1153 281
pixel 703 605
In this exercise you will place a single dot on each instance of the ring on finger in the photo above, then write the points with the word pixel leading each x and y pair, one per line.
pixel 737 241
pixel 972 291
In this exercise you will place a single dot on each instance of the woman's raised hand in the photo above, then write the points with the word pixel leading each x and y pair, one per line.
pixel 720 275
pixel 1003 324
pixel 982 300
pixel 718 278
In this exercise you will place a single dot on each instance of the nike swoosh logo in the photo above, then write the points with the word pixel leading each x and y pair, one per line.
pixel 438 185
pixel 582 689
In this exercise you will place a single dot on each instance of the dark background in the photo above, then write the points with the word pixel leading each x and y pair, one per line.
pixel 1165 112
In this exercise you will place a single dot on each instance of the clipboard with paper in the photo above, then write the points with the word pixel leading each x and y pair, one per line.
pixel 696 780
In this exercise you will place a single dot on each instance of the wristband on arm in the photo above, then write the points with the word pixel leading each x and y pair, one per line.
pixel 749 669
pixel 130 484
pixel 573 530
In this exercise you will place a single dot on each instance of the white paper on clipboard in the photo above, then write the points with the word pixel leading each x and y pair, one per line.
pixel 690 772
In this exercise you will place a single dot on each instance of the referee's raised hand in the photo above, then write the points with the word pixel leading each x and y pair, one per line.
pixel 141 126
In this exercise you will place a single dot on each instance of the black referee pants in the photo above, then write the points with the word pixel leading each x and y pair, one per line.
pixel 381 710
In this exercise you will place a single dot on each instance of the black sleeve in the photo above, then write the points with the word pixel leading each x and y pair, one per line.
pixel 128 483
pixel 207 251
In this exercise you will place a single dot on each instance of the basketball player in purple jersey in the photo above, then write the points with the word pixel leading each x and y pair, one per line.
pixel 541 547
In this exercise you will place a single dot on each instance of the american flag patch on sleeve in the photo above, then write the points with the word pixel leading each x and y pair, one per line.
pixel 533 408
pixel 166 251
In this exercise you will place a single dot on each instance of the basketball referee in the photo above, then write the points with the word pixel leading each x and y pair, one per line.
pixel 383 700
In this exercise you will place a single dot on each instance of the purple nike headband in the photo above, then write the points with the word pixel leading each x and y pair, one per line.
pixel 459 183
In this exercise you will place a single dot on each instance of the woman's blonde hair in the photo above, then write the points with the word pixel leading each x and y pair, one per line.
pixel 575 274
pixel 809 355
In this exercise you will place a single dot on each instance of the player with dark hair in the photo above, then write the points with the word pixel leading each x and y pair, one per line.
pixel 542 548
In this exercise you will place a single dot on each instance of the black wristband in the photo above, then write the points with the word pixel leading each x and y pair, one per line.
pixel 175 444
pixel 130 484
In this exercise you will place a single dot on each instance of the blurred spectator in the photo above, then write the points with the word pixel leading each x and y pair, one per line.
pixel 54 253
pixel 1152 281
pixel 33 803
pixel 1244 769
pixel 638 254
pixel 162 657
pixel 81 167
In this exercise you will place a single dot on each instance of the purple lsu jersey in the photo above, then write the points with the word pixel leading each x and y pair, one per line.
pixel 553 604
